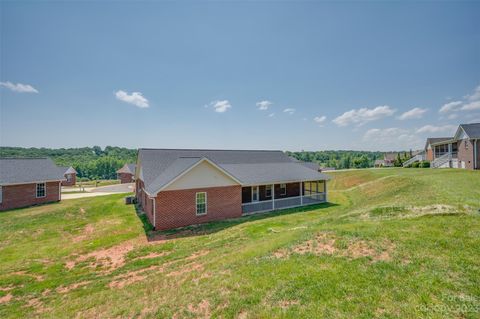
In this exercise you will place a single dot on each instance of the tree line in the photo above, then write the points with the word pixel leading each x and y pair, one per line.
pixel 339 159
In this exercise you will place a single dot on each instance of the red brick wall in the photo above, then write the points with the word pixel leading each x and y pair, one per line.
pixel 430 154
pixel 465 153
pixel 125 178
pixel 143 200
pixel 73 180
pixel 177 208
pixel 478 155
pixel 15 196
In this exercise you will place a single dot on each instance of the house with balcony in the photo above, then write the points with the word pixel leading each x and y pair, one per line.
pixel 181 187
pixel 458 151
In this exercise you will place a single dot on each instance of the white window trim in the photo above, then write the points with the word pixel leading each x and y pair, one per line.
pixel 271 190
pixel 258 194
pixel 283 193
pixel 196 204
pixel 44 190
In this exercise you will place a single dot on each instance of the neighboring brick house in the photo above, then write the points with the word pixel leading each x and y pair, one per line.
pixel 126 174
pixel 70 176
pixel 459 151
pixel 29 181
pixel 183 187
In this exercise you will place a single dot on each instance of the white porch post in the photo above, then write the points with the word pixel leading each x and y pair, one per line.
pixel 273 196
pixel 301 193
pixel 325 190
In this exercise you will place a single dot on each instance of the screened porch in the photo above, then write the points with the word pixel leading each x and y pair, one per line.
pixel 261 198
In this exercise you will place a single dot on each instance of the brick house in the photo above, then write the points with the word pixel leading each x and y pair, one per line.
pixel 29 181
pixel 460 151
pixel 126 174
pixel 178 188
pixel 70 176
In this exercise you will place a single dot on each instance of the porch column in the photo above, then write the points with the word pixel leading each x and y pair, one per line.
pixel 301 193
pixel 450 148
pixel 273 196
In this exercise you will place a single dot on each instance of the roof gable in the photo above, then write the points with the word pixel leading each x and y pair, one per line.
pixel 471 131
pixel 203 173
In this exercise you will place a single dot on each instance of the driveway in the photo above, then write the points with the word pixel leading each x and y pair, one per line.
pixel 118 188
pixel 101 191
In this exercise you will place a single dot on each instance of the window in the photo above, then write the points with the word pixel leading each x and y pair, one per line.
pixel 201 203
pixel 69 178
pixel 41 190
pixel 283 189
pixel 254 193
pixel 466 144
pixel 1 194
pixel 268 191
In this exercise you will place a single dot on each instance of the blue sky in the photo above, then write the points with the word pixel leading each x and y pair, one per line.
pixel 266 75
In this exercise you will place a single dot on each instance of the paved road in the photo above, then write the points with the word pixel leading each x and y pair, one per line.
pixel 118 188
pixel 101 191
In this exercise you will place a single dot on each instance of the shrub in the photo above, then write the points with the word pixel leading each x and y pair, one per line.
pixel 425 164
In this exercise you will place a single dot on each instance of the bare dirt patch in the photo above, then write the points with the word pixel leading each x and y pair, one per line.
pixel 154 255
pixel 325 244
pixel 131 277
pixel 36 304
pixel 202 310
pixel 8 288
pixel 6 298
pixel 109 259
pixel 87 232
pixel 65 289
pixel 186 269
pixel 197 254
pixel 284 304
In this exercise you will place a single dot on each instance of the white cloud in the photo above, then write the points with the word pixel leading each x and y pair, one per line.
pixel 136 98
pixel 391 138
pixel 289 111
pixel 475 96
pixel 320 119
pixel 264 105
pixel 415 113
pixel 472 106
pixel 221 106
pixel 437 129
pixel 450 107
pixel 19 87
pixel 363 115
pixel 271 115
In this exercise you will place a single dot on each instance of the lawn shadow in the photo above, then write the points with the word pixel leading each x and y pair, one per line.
pixel 216 226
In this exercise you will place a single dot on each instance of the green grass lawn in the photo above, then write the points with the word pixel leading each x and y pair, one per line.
pixel 392 243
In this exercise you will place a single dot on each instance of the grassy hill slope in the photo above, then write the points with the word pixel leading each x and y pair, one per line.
pixel 399 243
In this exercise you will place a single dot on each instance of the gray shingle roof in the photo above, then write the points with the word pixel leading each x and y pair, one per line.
pixel 28 170
pixel 472 130
pixel 68 170
pixel 127 168
pixel 160 166
pixel 435 140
